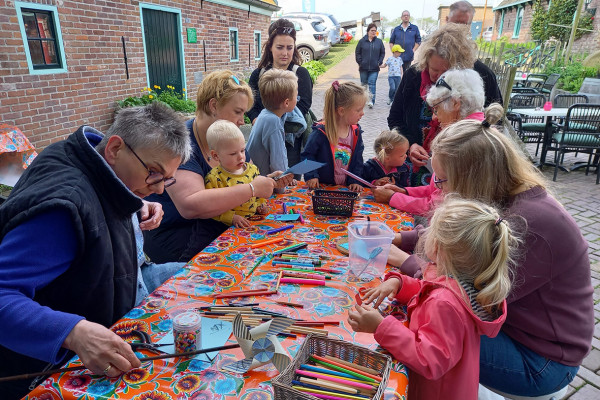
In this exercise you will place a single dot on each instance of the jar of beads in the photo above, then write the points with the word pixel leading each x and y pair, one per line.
pixel 186 331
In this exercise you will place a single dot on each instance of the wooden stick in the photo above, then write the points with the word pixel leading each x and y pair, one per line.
pixel 289 304
pixel 160 357
pixel 278 281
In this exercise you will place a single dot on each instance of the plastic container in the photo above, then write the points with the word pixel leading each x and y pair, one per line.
pixel 186 331
pixel 369 244
pixel 548 106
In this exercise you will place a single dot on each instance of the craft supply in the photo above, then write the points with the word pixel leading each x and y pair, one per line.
pixel 312 368
pixel 327 394
pixel 351 364
pixel 145 359
pixel 283 228
pixel 294 263
pixel 256 264
pixel 289 304
pixel 303 269
pixel 278 281
pixel 362 373
pixel 293 247
pixel 301 219
pixel 242 293
pixel 315 323
pixel 295 274
pixel 298 281
pixel 358 178
pixel 326 384
pixel 283 207
pixel 334 379
pixel 329 270
pixel 266 242
pixel 346 370
pixel 333 202
pixel 301 168
pixel 186 331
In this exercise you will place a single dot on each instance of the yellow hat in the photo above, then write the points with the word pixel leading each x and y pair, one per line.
pixel 397 48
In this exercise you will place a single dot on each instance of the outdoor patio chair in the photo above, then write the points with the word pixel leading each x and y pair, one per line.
pixel 579 133
pixel 549 84
pixel 567 100
pixel 529 129
pixel 535 81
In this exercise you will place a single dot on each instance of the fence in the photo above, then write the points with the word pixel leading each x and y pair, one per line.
pixel 527 57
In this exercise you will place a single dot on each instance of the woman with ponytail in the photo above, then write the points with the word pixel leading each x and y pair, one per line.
pixel 550 316
pixel 461 298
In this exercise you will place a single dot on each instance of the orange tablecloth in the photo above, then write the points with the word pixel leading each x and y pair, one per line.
pixel 223 266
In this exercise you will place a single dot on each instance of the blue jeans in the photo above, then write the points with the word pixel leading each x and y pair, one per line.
pixel 394 82
pixel 152 276
pixel 512 368
pixel 370 79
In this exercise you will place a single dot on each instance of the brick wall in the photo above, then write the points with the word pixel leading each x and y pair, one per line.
pixel 49 107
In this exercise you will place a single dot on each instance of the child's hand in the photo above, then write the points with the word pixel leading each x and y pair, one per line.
pixel 294 182
pixel 355 187
pixel 313 183
pixel 395 188
pixel 240 222
pixel 388 288
pixel 262 209
pixel 383 181
pixel 381 194
pixel 364 319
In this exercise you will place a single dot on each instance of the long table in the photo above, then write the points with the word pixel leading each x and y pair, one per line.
pixel 224 266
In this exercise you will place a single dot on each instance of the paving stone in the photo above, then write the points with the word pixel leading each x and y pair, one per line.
pixel 592 361
pixel 587 392
pixel 589 376
pixel 577 382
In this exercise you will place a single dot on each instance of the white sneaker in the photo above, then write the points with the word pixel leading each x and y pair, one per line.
pixel 370 105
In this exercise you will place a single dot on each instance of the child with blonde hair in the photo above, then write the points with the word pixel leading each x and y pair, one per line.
pixel 228 147
pixel 395 72
pixel 461 297
pixel 337 140
pixel 266 144
pixel 389 164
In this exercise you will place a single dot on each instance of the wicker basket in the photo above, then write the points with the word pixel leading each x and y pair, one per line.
pixel 333 202
pixel 324 346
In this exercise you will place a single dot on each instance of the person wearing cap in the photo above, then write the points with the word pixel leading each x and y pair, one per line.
pixel 395 72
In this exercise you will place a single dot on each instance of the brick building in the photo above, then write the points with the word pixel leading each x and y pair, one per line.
pixel 513 20
pixel 483 18
pixel 62 62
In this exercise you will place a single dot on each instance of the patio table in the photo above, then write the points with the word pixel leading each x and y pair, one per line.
pixel 223 266
pixel 550 115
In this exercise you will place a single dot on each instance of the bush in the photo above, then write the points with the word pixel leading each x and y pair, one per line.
pixel 315 68
pixel 169 96
pixel 572 74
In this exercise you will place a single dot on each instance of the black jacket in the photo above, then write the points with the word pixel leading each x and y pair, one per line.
pixel 100 284
pixel 409 112
pixel 369 55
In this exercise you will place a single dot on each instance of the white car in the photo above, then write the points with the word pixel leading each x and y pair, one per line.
pixel 487 34
pixel 329 20
pixel 312 38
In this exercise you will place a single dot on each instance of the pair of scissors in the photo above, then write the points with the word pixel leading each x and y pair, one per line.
pixel 145 342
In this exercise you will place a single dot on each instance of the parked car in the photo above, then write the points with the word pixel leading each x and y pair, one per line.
pixel 345 36
pixel 487 34
pixel 312 37
pixel 330 22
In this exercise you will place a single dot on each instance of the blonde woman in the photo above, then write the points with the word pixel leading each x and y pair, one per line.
pixel 447 48
pixel 187 226
pixel 550 319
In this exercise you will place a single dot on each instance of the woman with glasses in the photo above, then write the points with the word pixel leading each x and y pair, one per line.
pixel 550 315
pixel 457 95
pixel 280 52
pixel 447 48
pixel 369 54
pixel 187 226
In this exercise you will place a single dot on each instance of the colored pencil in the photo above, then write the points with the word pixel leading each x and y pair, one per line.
pixel 327 394
pixel 351 364
pixel 282 228
pixel 256 264
pixel 333 379
pixel 295 274
pixel 348 368
pixel 294 263
pixel 299 281
pixel 266 242
pixel 291 248
pixel 312 368
pixel 244 294
pixel 289 304
pixel 319 383
pixel 329 270
pixel 278 281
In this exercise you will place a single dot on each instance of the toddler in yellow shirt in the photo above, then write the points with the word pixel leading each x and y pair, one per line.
pixel 228 147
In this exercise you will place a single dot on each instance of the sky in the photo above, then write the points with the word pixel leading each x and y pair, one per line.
pixel 345 10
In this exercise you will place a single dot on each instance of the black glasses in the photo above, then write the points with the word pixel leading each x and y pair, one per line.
pixel 434 106
pixel 153 177
pixel 441 82
pixel 438 182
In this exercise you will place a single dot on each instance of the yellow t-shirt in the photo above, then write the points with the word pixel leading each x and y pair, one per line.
pixel 218 177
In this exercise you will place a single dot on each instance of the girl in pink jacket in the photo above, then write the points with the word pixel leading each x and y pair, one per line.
pixel 461 297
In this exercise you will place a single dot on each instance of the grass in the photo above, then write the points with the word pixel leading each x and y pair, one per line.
pixel 337 53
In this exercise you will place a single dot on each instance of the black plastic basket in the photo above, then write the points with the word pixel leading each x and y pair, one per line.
pixel 325 346
pixel 333 202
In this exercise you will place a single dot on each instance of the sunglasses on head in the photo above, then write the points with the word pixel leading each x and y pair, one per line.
pixel 286 30
pixel 441 82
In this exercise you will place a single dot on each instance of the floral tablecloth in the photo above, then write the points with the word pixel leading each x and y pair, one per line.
pixel 224 266
pixel 13 140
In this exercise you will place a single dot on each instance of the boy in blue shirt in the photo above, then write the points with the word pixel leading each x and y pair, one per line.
pixel 266 144
pixel 395 72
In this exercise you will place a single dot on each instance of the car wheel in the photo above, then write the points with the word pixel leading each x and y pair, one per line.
pixel 305 54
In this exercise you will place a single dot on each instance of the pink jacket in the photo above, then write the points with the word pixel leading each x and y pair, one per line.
pixel 441 345
pixel 419 200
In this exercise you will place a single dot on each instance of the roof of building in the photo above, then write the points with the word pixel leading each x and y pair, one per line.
pixel 510 3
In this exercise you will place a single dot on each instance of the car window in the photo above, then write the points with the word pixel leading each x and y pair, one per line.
pixel 297 26
pixel 319 27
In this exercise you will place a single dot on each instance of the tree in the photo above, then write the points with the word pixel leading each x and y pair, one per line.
pixel 560 12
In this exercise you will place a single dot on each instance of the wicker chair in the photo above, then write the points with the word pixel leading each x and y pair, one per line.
pixel 529 129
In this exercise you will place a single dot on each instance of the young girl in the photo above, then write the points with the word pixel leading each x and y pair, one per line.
pixel 389 164
pixel 337 141
pixel 461 297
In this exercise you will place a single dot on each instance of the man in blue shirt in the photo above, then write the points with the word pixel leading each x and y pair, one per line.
pixel 408 36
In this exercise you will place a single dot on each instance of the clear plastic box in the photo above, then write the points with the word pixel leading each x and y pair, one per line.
pixel 369 245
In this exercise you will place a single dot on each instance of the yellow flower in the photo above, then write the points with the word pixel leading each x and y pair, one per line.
pixel 156 87
pixel 183 89
pixel 150 97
